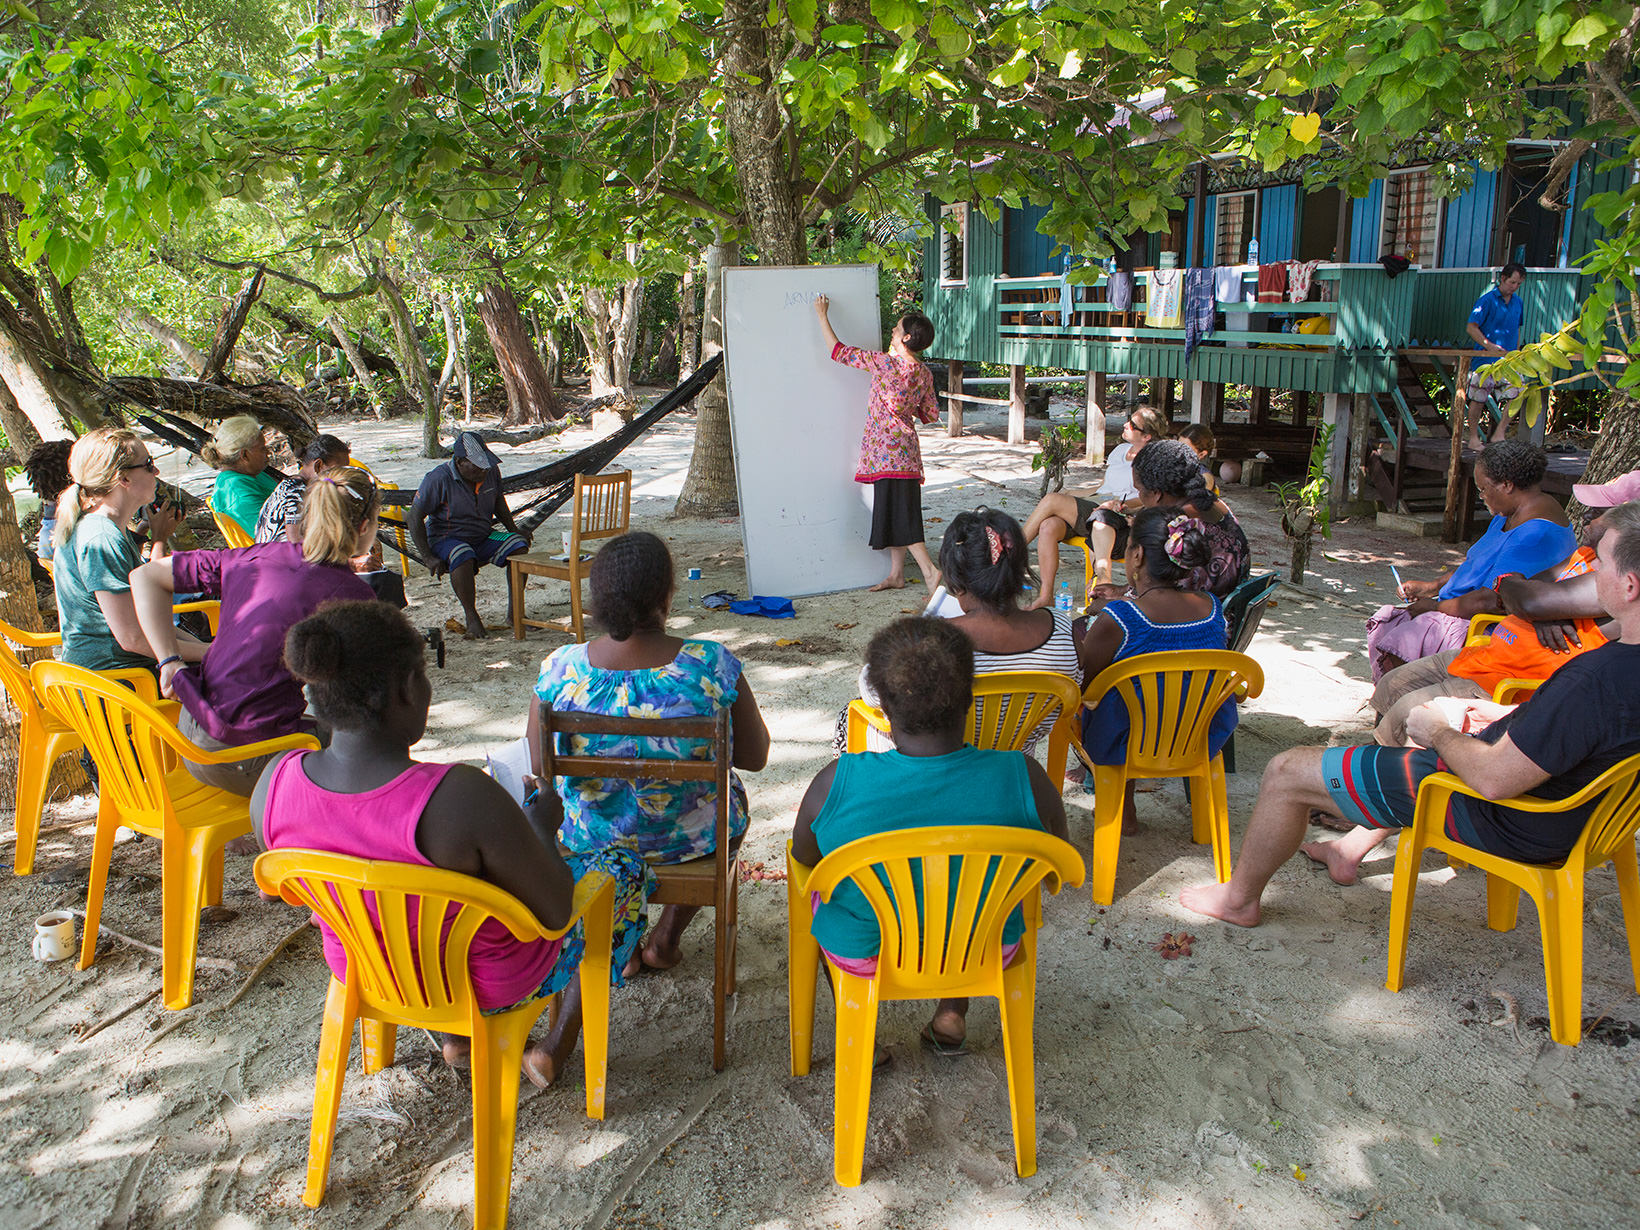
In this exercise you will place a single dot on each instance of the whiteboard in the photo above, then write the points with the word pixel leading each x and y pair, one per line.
pixel 797 419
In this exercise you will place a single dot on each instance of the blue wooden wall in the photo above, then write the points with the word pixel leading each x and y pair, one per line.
pixel 1364 223
pixel 1278 224
pixel 1029 253
pixel 1468 240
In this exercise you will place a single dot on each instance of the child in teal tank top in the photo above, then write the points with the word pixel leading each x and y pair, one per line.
pixel 922 671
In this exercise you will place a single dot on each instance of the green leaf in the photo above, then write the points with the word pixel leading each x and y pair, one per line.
pixel 1588 28
pixel 1071 65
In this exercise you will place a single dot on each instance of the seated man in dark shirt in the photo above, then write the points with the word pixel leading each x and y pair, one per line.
pixel 453 521
pixel 1584 719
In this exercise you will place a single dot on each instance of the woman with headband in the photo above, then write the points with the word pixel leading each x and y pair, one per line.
pixel 1169 606
pixel 242 692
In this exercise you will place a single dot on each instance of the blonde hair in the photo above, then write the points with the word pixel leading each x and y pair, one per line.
pixel 338 505
pixel 230 440
pixel 1151 421
pixel 95 464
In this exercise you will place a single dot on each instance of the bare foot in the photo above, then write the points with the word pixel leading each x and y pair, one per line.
pixel 243 845
pixel 653 958
pixel 932 580
pixel 475 628
pixel 457 1051
pixel 1474 444
pixel 949 1028
pixel 1343 867
pixel 1214 900
pixel 888 583
pixel 540 1067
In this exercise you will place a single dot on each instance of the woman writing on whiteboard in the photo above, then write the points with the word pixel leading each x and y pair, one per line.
pixel 902 395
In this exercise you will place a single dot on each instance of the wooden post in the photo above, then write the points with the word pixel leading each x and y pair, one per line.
pixel 1335 410
pixel 1016 403
pixel 1454 465
pixel 1166 405
pixel 953 384
pixel 1259 410
pixel 1206 400
pixel 1157 385
pixel 1360 439
pixel 1095 423
pixel 1199 245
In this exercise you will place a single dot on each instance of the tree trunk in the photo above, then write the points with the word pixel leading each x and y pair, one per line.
pixel 529 393
pixel 688 325
pixel 33 390
pixel 361 370
pixel 463 361
pixel 452 346
pixel 709 488
pixel 232 325
pixel 20 433
pixel 755 116
pixel 608 325
pixel 412 362
pixel 1617 448
pixel 550 348
pixel 180 347
pixel 20 608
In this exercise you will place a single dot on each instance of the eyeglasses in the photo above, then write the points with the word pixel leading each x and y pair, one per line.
pixel 142 465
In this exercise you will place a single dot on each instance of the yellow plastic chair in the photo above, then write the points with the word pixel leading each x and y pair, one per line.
pixel 1168 721
pixel 141 785
pixel 1480 629
pixel 392 519
pixel 41 738
pixel 388 917
pixel 948 945
pixel 1008 708
pixel 1081 543
pixel 1557 890
pixel 230 529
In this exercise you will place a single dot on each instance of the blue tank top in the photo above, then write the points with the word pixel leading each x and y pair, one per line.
pixel 1105 729
pixel 877 792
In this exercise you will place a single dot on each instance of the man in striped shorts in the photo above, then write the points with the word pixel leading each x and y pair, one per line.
pixel 1584 719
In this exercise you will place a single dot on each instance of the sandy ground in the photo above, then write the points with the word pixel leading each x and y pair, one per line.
pixel 1268 1079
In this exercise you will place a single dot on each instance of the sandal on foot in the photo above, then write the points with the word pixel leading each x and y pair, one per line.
pixel 943 1047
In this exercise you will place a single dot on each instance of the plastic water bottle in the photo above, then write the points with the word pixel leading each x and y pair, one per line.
pixel 1063 601
pixel 1252 251
pixel 691 593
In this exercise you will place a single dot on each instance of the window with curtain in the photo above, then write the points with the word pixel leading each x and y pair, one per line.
pixel 1233 223
pixel 1412 217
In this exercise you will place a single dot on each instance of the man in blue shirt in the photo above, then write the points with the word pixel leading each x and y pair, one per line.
pixel 1494 324
pixel 453 522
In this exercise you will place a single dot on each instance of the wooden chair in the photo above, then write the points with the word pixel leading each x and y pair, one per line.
pixel 945 941
pixel 602 509
pixel 1171 699
pixel 141 785
pixel 1556 888
pixel 398 974
pixel 712 881
pixel 41 738
pixel 1008 708
pixel 230 529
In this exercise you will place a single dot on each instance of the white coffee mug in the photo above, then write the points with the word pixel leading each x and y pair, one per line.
pixel 54 936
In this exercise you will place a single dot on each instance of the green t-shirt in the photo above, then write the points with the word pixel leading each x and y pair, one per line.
pixel 98 557
pixel 241 496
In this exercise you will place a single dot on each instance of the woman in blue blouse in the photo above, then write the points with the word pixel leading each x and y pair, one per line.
pixel 1528 533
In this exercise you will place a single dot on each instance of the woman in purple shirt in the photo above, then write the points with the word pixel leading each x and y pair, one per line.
pixel 242 692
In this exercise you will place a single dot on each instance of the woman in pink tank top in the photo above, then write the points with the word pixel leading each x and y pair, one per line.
pixel 363 796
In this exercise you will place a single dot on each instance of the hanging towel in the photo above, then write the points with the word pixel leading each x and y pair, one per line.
pixel 1299 274
pixel 1227 283
pixel 1272 282
pixel 1162 299
pixel 1394 266
pixel 1198 308
pixel 1119 291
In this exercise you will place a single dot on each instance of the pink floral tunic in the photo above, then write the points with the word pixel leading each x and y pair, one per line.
pixel 902 393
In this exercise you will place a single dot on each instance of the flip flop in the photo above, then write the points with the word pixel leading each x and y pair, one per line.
pixel 941 1046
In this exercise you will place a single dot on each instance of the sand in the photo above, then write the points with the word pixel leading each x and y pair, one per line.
pixel 1266 1079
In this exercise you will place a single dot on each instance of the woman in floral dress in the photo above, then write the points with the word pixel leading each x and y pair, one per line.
pixel 638 670
pixel 902 395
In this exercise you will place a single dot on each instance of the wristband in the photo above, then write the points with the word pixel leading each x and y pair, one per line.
pixel 164 662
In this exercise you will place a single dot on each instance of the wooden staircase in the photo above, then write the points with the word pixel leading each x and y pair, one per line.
pixel 1408 463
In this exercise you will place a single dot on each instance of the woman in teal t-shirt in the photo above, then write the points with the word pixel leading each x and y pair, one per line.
pixel 923 673
pixel 113 477
pixel 240 452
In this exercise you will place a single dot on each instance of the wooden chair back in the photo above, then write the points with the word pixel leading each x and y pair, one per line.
pixel 602 507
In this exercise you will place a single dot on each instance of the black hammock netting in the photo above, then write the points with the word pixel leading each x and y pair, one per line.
pixel 555 481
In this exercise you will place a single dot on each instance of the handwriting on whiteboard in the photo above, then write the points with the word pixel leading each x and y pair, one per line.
pixel 801 298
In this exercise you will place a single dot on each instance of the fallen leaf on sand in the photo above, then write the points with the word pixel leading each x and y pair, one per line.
pixel 845 627
pixel 455 625
pixel 1298 1172
pixel 788 640
pixel 1174 944
pixel 935 520
pixel 908 610
pixel 761 871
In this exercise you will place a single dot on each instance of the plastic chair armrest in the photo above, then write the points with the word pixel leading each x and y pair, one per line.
pixel 35 640
pixel 590 889
pixel 246 751
pixel 1081 754
pixel 1442 786
pixel 211 606
pixel 1480 628
pixel 1508 689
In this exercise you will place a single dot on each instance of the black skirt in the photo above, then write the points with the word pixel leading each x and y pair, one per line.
pixel 896 513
